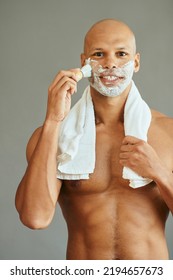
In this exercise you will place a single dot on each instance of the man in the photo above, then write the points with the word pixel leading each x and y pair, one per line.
pixel 106 218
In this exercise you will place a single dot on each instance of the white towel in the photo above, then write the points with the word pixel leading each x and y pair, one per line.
pixel 76 151
pixel 137 119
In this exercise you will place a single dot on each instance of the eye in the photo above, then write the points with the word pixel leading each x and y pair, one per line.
pixel 98 54
pixel 122 54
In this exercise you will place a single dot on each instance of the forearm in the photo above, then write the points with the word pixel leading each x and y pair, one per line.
pixel 38 191
pixel 164 181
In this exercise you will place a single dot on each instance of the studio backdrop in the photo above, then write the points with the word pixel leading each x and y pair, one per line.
pixel 37 39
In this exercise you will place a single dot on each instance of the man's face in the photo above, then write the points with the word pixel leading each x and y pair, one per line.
pixel 112 47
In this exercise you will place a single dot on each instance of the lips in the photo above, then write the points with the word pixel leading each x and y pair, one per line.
pixel 110 80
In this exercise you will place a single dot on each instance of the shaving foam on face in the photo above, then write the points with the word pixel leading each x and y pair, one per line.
pixel 124 73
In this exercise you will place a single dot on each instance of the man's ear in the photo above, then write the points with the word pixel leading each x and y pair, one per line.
pixel 137 62
pixel 82 59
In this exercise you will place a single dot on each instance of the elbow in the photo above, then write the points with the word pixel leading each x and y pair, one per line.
pixel 35 222
pixel 38 218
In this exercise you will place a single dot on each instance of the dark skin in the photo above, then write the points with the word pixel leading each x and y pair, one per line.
pixel 106 218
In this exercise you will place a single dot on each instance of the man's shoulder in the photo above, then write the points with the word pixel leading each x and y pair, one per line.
pixel 163 121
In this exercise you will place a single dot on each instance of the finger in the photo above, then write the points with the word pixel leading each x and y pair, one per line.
pixel 75 70
pixel 126 148
pixel 123 162
pixel 78 74
pixel 124 155
pixel 60 75
pixel 62 82
pixel 68 87
pixel 130 140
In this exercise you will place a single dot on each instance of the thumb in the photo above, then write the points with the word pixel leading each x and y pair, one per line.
pixel 130 140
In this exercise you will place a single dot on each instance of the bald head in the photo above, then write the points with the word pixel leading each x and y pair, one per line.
pixel 109 27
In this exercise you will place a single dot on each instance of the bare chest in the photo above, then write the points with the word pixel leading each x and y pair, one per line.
pixel 108 171
pixel 107 167
pixel 106 193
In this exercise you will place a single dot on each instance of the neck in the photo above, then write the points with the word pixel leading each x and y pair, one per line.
pixel 109 110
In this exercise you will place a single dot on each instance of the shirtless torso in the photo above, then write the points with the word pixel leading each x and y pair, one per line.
pixel 106 218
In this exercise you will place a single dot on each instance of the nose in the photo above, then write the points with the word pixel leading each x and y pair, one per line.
pixel 110 62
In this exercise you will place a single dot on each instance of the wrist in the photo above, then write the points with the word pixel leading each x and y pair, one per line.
pixel 51 127
pixel 51 123
pixel 164 176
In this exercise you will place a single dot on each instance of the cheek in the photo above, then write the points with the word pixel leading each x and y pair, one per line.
pixel 94 78
pixel 91 80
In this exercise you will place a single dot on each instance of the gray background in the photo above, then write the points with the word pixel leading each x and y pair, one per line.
pixel 37 39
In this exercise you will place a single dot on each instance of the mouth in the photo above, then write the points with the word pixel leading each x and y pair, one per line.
pixel 110 80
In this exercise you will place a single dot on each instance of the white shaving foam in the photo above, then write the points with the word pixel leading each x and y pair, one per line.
pixel 125 72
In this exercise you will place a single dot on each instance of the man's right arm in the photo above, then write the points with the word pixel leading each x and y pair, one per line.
pixel 38 191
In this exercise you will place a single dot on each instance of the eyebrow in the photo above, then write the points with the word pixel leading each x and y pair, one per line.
pixel 101 49
pixel 96 49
